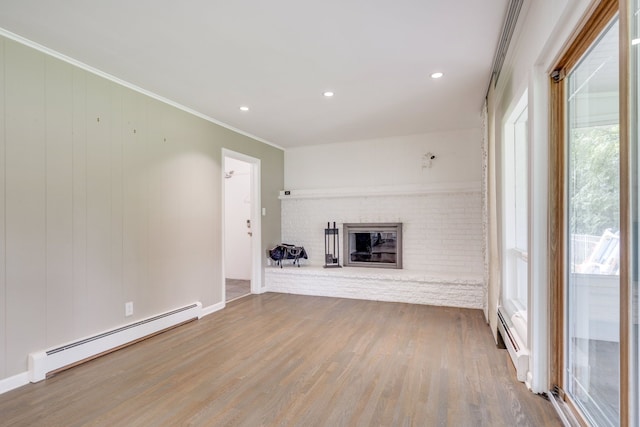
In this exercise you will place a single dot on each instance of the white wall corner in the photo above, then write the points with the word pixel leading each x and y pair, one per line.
pixel 211 309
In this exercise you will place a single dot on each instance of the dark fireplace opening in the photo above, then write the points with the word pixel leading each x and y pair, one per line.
pixel 373 245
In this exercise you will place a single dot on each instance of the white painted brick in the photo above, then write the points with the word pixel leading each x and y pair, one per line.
pixel 377 285
pixel 443 237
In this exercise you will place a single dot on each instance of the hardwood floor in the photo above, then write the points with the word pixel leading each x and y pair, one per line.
pixel 236 288
pixel 291 360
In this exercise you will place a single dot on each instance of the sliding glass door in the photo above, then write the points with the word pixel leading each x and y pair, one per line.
pixel 594 243
pixel 587 227
pixel 592 280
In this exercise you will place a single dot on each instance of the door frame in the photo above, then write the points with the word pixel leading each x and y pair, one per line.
pixel 256 220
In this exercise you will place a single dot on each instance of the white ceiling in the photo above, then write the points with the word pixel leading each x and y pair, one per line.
pixel 279 56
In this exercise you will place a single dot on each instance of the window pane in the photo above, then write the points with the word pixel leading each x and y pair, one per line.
pixel 521 171
pixel 593 222
pixel 516 221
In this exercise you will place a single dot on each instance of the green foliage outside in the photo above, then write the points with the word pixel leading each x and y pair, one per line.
pixel 594 180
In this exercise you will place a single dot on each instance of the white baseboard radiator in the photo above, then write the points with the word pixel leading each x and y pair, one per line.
pixel 50 361
pixel 517 349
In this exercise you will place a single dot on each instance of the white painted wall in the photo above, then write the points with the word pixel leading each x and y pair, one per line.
pixel 390 180
pixel 544 28
pixel 237 206
pixel 396 161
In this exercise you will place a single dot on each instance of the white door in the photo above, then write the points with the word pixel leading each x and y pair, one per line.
pixel 238 230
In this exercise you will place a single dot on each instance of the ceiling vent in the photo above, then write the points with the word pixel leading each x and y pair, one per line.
pixel 508 28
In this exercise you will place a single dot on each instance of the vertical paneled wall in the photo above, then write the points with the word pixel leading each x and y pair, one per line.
pixel 59 197
pixel 25 200
pixel 106 196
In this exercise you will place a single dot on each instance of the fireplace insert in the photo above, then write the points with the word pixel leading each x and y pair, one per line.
pixel 376 245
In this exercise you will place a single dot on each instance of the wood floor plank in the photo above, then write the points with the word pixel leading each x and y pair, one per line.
pixel 292 360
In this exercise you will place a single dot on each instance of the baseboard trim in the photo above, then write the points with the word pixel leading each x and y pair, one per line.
pixel 211 309
pixel 8 384
pixel 19 380
pixel 49 361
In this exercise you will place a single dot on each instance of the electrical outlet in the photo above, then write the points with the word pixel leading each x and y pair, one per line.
pixel 128 308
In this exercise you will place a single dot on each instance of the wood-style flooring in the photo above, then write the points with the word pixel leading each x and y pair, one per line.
pixel 291 360
pixel 236 288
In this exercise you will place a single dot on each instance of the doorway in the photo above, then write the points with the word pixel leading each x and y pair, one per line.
pixel 241 225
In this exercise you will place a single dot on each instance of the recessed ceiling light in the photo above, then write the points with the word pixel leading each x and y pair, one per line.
pixel 244 108
pixel 436 75
pixel 328 94
pixel 635 42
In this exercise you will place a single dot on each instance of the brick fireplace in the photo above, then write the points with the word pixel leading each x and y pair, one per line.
pixel 442 244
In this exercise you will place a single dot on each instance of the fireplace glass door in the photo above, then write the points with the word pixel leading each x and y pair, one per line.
pixel 373 245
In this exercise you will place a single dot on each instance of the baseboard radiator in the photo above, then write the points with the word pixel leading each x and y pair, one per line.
pixel 53 360
pixel 517 350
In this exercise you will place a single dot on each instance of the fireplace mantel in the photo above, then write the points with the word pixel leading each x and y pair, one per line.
pixel 404 190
